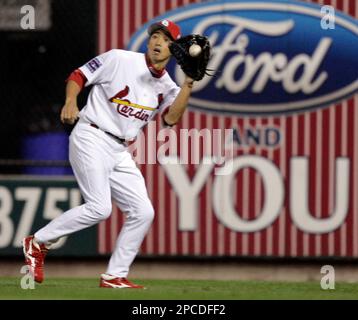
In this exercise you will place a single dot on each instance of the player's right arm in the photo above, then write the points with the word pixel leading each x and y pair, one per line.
pixel 98 70
pixel 70 111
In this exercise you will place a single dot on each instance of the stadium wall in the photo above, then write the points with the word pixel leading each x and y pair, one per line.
pixel 314 151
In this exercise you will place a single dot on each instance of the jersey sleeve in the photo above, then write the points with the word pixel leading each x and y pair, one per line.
pixel 101 68
pixel 78 77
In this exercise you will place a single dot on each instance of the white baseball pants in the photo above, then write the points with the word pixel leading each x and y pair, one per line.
pixel 104 169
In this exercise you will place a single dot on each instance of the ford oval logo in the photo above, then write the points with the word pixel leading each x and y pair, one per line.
pixel 270 56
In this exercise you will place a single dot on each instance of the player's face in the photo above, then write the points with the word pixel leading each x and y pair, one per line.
pixel 158 48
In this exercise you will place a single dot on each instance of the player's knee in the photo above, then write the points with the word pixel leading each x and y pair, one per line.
pixel 147 214
pixel 105 211
pixel 102 211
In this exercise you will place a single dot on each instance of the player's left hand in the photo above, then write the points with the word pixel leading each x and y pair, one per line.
pixel 189 82
pixel 194 67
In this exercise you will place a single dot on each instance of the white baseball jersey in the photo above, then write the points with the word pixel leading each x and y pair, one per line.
pixel 126 95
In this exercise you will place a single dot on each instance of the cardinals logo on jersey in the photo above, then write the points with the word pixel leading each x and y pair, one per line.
pixel 128 109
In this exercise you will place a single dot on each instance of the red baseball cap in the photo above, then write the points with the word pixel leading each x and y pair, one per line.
pixel 169 27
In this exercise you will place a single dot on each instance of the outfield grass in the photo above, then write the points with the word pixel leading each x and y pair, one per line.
pixel 87 289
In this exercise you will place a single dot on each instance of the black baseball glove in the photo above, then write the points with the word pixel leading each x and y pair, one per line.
pixel 194 67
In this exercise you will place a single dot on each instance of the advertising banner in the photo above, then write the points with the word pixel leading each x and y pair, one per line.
pixel 29 203
pixel 284 102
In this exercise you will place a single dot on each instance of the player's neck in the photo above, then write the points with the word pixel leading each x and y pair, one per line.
pixel 157 68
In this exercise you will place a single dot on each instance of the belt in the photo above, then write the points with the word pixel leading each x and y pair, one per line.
pixel 121 140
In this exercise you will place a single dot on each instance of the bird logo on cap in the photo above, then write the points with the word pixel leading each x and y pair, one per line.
pixel 172 29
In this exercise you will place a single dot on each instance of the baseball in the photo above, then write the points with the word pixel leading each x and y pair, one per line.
pixel 194 50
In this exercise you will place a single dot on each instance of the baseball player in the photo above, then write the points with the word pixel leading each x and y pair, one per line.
pixel 129 89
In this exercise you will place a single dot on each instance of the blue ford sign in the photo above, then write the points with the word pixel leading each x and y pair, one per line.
pixel 271 57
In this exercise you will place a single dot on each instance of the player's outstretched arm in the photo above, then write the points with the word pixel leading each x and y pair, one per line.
pixel 180 103
pixel 70 111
